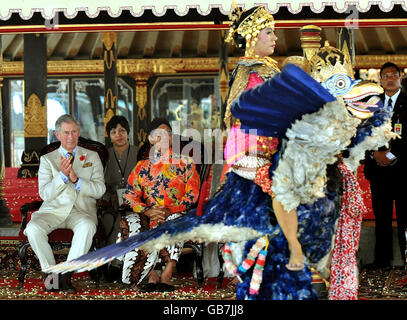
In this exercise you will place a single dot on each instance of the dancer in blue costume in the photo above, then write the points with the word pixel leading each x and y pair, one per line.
pixel 290 106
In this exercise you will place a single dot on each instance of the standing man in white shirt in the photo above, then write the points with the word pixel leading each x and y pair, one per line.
pixel 70 180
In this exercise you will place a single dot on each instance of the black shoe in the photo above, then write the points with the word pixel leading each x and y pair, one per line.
pixel 149 287
pixel 378 266
pixel 399 267
pixel 164 287
pixel 66 284
pixel 112 274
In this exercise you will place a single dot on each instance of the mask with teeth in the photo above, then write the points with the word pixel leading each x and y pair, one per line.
pixel 333 69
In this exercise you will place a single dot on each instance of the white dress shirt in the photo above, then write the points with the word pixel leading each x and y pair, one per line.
pixel 393 99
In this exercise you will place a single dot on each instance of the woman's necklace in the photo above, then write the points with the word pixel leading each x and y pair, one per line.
pixel 122 171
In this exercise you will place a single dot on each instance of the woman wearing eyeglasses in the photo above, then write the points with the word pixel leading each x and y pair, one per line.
pixel 122 157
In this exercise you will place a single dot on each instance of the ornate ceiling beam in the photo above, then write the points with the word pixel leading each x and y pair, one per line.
pixel 63 46
pixel 52 42
pixel 6 41
pixel 124 43
pixel 360 42
pixel 403 35
pixel 202 47
pixel 176 39
pixel 97 48
pixel 385 40
pixel 150 44
pixel 171 65
pixel 75 45
pixel 16 48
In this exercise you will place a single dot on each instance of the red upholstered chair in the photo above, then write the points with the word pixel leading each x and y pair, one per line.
pixel 203 170
pixel 60 238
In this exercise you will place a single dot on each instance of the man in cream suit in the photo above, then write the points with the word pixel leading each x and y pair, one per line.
pixel 69 187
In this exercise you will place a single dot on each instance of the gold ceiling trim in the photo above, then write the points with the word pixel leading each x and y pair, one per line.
pixel 16 68
pixel 170 65
pixel 373 61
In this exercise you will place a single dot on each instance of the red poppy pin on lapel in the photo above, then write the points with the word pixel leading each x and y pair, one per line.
pixel 82 158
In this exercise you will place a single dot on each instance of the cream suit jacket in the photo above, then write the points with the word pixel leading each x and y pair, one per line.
pixel 61 198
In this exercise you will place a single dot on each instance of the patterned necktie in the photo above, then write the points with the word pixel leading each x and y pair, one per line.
pixel 71 156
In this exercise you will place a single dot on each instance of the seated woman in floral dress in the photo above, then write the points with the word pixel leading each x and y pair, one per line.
pixel 159 189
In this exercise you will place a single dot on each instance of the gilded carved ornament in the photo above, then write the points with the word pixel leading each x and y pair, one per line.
pixel 110 100
pixel 25 173
pixel 141 98
pixel 109 59
pixel 127 66
pixel 141 136
pixel 223 86
pixel 310 40
pixel 110 42
pixel 141 92
pixel 1 61
pixel 108 116
pixel 30 157
pixel 172 65
pixel 110 106
pixel 35 118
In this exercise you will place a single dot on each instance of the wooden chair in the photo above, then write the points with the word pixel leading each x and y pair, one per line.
pixel 203 170
pixel 61 238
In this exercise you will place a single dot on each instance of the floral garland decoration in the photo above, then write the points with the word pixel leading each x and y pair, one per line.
pixel 259 251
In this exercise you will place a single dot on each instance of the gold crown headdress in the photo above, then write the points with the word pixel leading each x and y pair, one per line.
pixel 329 61
pixel 251 25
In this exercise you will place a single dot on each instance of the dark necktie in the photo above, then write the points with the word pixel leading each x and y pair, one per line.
pixel 71 156
pixel 390 103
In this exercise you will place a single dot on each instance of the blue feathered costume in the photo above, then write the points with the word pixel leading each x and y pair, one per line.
pixel 302 123
pixel 242 211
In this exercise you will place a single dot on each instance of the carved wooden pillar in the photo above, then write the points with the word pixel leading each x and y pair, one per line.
pixel 346 44
pixel 110 77
pixel 223 76
pixel 142 119
pixel 5 218
pixel 35 110
pixel 310 40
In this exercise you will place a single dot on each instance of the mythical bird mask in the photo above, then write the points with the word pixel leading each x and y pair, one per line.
pixel 333 69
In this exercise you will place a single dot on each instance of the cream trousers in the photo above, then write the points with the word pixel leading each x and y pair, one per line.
pixel 37 231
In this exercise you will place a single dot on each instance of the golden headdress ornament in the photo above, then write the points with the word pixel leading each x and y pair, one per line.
pixel 249 23
pixel 329 61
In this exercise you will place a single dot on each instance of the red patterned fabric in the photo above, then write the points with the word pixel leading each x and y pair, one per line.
pixel 254 80
pixel 58 235
pixel 263 179
pixel 172 182
pixel 18 191
pixel 344 273
pixel 204 194
pixel 240 143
